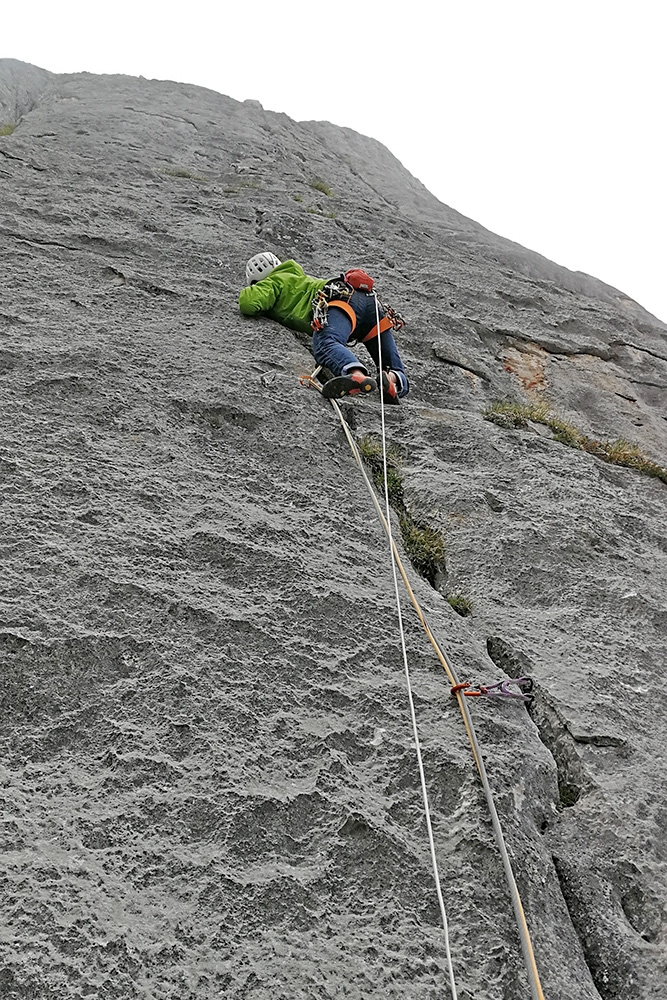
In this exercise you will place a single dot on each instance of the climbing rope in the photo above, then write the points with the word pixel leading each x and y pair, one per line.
pixel 422 777
pixel 524 933
pixel 458 690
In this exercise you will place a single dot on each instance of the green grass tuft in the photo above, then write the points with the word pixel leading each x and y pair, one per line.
pixel 321 186
pixel 460 603
pixel 618 452
pixel 425 546
pixel 182 172
pixel 370 449
pixel 314 210
pixel 297 197
pixel 510 415
pixel 7 129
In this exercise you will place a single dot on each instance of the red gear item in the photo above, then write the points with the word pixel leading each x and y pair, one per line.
pixel 359 279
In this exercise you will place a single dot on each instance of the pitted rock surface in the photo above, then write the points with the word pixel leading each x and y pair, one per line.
pixel 208 778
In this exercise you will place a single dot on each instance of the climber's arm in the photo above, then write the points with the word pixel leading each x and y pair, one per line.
pixel 258 298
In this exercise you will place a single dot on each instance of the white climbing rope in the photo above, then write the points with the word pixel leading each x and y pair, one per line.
pixel 420 762
pixel 385 519
pixel 524 933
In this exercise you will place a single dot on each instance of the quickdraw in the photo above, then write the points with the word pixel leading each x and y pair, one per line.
pixel 501 689
pixel 308 381
pixel 334 289
pixel 394 317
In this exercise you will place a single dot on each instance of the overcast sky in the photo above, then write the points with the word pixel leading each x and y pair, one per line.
pixel 543 121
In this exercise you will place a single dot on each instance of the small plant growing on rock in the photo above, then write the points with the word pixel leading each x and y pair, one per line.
pixel 424 545
pixel 622 452
pixel 297 197
pixel 510 415
pixel 7 129
pixel 370 449
pixel 319 185
pixel 564 431
pixel 619 452
pixel 460 603
pixel 182 172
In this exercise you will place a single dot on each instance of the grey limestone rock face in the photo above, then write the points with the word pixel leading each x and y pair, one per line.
pixel 208 778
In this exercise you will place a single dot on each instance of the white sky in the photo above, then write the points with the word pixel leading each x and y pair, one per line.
pixel 542 120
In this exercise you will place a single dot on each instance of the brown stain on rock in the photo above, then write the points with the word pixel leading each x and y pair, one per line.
pixel 528 364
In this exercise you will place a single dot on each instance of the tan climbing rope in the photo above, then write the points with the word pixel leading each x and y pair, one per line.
pixel 385 519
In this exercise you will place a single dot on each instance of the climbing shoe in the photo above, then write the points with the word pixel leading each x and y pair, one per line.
pixel 355 383
pixel 390 387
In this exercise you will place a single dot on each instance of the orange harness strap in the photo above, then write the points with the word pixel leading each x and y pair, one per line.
pixel 347 308
pixel 385 324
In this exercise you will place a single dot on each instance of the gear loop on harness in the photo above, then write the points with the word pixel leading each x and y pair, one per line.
pixel 336 290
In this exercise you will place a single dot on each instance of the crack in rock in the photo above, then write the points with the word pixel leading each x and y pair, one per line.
pixel 19 159
pixel 446 355
pixel 552 729
pixel 594 901
pixel 642 350
pixel 154 114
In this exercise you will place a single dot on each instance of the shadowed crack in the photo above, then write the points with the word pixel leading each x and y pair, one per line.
pixel 552 728
pixel 449 358
pixel 153 114
pixel 19 159
pixel 559 350
pixel 573 781
pixel 84 238
pixel 592 905
pixel 636 347
pixel 597 739
pixel 640 381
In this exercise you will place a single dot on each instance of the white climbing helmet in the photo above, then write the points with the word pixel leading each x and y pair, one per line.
pixel 259 266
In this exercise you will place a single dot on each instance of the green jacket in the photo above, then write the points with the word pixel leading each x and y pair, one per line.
pixel 286 295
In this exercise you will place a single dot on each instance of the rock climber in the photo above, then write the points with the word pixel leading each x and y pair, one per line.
pixel 339 311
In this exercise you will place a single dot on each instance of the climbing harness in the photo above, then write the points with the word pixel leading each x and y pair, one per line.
pixel 337 294
pixel 501 689
pixel 384 324
pixel 458 689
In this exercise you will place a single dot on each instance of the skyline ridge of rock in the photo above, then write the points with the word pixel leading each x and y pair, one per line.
pixel 23 84
pixel 208 777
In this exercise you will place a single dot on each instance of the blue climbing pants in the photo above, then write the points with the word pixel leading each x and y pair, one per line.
pixel 330 343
